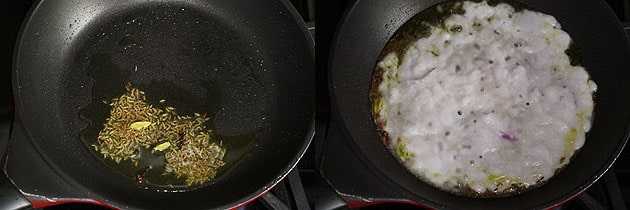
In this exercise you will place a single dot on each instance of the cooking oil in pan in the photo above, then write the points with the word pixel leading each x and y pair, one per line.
pixel 196 62
pixel 110 83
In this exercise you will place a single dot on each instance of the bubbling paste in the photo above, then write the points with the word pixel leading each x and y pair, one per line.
pixel 488 104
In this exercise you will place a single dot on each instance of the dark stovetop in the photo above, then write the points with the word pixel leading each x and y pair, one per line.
pixel 305 188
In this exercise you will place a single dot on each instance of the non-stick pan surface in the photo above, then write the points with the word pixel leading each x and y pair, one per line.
pixel 248 65
pixel 369 24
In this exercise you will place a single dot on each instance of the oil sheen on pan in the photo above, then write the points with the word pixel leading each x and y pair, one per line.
pixel 482 99
pixel 178 97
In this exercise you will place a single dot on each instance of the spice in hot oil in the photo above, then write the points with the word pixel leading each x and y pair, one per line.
pixel 134 125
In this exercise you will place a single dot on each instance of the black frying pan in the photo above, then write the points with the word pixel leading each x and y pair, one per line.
pixel 248 65
pixel 369 24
